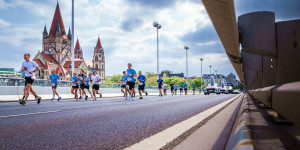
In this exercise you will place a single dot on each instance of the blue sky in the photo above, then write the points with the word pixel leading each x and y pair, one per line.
pixel 126 32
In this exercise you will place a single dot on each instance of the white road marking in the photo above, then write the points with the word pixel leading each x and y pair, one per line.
pixel 30 114
pixel 161 139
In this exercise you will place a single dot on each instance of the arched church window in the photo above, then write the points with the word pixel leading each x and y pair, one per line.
pixel 96 58
pixel 96 66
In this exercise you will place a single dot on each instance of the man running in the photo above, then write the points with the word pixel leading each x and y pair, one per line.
pixel 81 77
pixel 185 88
pixel 124 82
pixel 87 86
pixel 23 76
pixel 194 88
pixel 165 87
pixel 95 78
pixel 142 79
pixel 172 88
pixel 175 89
pixel 181 88
pixel 159 84
pixel 75 86
pixel 54 81
pixel 131 74
pixel 29 67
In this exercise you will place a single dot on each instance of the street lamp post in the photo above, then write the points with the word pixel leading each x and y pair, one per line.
pixel 187 69
pixel 157 26
pixel 72 40
pixel 210 69
pixel 201 59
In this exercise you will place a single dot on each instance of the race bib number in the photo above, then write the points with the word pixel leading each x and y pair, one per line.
pixel 124 82
pixel 85 82
pixel 33 77
pixel 129 79
pixel 53 84
pixel 73 84
pixel 141 83
pixel 80 77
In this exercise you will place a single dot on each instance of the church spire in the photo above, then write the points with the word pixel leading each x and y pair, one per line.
pixel 98 45
pixel 45 29
pixel 58 28
pixel 57 22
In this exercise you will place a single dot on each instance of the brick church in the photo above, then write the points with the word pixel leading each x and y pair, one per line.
pixel 56 53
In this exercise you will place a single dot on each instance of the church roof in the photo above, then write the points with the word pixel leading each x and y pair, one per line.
pixel 61 70
pixel 76 63
pixel 98 46
pixel 49 58
pixel 38 62
pixel 57 22
pixel 45 30
pixel 69 33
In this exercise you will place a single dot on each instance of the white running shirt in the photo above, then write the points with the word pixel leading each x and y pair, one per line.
pixel 95 78
pixel 30 65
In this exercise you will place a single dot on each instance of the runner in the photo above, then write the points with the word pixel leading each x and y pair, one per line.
pixel 95 78
pixel 194 88
pixel 159 84
pixel 123 86
pixel 81 77
pixel 172 88
pixel 75 86
pixel 141 78
pixel 165 87
pixel 54 81
pixel 131 74
pixel 181 88
pixel 175 89
pixel 87 86
pixel 29 67
pixel 185 88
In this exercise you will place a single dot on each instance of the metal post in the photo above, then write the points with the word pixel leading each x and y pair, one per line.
pixel 201 59
pixel 72 40
pixel 187 73
pixel 157 56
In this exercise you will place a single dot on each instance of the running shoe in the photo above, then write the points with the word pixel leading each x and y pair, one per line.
pixel 146 93
pixel 133 98
pixel 59 98
pixel 24 103
pixel 95 99
pixel 100 95
pixel 124 95
pixel 80 97
pixel 141 98
pixel 39 100
pixel 126 98
pixel 129 96
pixel 86 97
pixel 52 99
pixel 92 96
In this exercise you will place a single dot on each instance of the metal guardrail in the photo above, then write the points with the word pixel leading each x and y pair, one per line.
pixel 8 81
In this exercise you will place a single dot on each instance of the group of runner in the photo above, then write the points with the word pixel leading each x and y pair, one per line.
pixel 82 82
pixel 182 86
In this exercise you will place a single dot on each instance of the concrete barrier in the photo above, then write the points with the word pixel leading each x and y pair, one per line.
pixel 240 137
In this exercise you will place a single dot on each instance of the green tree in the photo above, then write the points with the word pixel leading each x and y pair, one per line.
pixel 198 82
pixel 175 80
pixel 116 78
pixel 150 74
pixel 239 87
pixel 107 79
pixel 152 81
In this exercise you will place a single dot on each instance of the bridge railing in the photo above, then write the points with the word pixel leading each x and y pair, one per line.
pixel 9 81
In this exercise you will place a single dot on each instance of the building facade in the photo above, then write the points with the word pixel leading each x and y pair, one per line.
pixel 230 79
pixel 56 52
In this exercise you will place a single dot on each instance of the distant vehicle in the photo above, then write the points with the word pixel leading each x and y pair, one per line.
pixel 223 88
pixel 229 89
pixel 212 87
pixel 236 92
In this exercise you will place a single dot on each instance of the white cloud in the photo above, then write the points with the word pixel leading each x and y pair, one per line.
pixel 4 24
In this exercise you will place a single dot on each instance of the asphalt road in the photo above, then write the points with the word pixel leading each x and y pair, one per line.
pixel 109 123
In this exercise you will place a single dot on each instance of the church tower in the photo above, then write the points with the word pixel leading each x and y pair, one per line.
pixel 57 43
pixel 78 51
pixel 99 59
